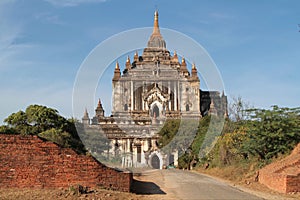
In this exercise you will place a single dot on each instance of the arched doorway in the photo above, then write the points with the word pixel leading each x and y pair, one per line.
pixel 187 107
pixel 155 163
pixel 155 111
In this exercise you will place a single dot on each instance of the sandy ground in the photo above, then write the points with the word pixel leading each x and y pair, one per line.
pixel 53 194
pixel 178 184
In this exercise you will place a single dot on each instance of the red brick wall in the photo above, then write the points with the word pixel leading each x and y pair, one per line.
pixel 273 181
pixel 284 175
pixel 293 183
pixel 28 161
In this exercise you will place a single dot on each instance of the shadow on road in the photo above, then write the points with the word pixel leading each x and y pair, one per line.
pixel 143 187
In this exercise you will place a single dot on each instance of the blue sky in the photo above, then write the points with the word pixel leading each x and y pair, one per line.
pixel 255 45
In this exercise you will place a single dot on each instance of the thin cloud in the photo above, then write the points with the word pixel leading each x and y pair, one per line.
pixel 9 36
pixel 47 17
pixel 71 3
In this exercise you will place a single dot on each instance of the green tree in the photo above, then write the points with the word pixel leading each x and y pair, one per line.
pixel 96 142
pixel 63 139
pixel 178 134
pixel 45 122
pixel 7 130
pixel 37 119
pixel 228 147
pixel 272 132
pixel 42 118
pixel 211 131
pixel 168 131
pixel 18 122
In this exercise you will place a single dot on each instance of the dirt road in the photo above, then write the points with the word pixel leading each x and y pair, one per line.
pixel 178 184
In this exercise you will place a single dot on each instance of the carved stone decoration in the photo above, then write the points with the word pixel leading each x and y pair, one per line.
pixel 155 87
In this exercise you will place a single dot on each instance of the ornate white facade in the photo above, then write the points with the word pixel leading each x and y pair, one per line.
pixel 154 87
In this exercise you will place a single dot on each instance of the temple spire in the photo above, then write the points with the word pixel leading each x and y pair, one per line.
pixel 183 68
pixel 136 56
pixel 156 26
pixel 194 72
pixel 156 40
pixel 86 118
pixel 99 104
pixel 99 110
pixel 86 114
pixel 117 65
pixel 128 65
pixel 175 57
pixel 117 73
pixel 212 109
pixel 194 66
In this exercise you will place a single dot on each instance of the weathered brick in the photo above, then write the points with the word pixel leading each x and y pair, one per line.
pixel 284 175
pixel 30 162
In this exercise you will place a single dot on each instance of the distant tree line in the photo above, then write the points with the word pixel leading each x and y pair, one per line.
pixel 248 134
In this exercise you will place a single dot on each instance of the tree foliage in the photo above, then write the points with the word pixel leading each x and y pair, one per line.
pixel 228 147
pixel 37 119
pixel 272 132
pixel 6 130
pixel 201 133
pixel 178 134
pixel 96 141
pixel 168 131
pixel 46 123
pixel 262 134
pixel 18 123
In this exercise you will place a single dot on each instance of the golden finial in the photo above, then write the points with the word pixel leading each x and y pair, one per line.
pixel 194 71
pixel 136 56
pixel 128 65
pixel 117 65
pixel 156 26
pixel 183 60
pixel 175 57
pixel 193 66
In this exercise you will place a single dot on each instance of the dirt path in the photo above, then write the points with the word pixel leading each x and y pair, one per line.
pixel 154 185
pixel 177 184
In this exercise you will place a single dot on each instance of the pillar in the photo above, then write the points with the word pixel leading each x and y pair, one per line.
pixel 131 95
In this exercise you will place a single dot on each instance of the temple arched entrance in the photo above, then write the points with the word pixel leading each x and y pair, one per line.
pixel 155 111
pixel 155 162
